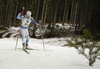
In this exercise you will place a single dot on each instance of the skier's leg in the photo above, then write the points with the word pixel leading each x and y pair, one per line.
pixel 27 41
pixel 23 38
pixel 27 38
pixel 23 42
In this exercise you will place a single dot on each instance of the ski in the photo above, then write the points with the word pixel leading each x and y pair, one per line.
pixel 29 49
pixel 26 51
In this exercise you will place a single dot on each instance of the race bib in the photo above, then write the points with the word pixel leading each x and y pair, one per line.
pixel 26 22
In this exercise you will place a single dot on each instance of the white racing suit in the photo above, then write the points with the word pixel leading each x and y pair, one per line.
pixel 24 27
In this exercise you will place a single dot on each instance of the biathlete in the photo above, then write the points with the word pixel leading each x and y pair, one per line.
pixel 26 20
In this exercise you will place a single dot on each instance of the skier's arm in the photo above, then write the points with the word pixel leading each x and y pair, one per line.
pixel 19 16
pixel 33 20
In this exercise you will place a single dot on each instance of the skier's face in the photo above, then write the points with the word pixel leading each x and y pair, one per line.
pixel 27 17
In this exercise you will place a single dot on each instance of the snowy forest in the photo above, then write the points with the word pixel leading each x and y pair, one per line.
pixel 80 14
pixel 67 37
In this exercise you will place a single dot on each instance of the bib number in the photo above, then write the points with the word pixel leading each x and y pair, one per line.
pixel 26 22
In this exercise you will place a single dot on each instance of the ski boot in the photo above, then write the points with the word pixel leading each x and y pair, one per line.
pixel 28 48
pixel 24 46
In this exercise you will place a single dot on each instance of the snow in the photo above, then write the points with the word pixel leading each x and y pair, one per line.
pixel 54 57
pixel 13 30
pixel 66 26
pixel 2 31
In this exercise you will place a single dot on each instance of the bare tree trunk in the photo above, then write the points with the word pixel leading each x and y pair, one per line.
pixel 59 19
pixel 76 16
pixel 64 12
pixel 10 14
pixel 55 16
pixel 1 10
pixel 36 20
pixel 50 18
pixel 73 16
pixel 42 17
pixel 2 14
pixel 46 11
pixel 89 19
pixel 71 12
pixel 80 21
pixel 16 13
pixel 37 11
pixel 85 13
pixel 6 11
pixel 75 13
pixel 10 22
pixel 33 2
pixel 8 17
pixel 67 14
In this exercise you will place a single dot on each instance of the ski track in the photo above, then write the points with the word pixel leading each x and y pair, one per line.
pixel 54 57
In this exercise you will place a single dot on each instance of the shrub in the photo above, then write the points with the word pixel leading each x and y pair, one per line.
pixel 87 43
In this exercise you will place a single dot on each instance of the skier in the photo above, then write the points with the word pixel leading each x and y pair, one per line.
pixel 26 20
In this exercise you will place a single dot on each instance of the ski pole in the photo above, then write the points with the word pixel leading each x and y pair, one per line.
pixel 42 37
pixel 17 38
pixel 19 29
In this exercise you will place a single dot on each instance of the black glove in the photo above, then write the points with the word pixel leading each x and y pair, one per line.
pixel 22 11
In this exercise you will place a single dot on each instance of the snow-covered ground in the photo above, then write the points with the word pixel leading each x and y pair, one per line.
pixel 54 57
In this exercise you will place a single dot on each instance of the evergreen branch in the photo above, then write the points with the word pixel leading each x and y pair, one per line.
pixel 83 53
